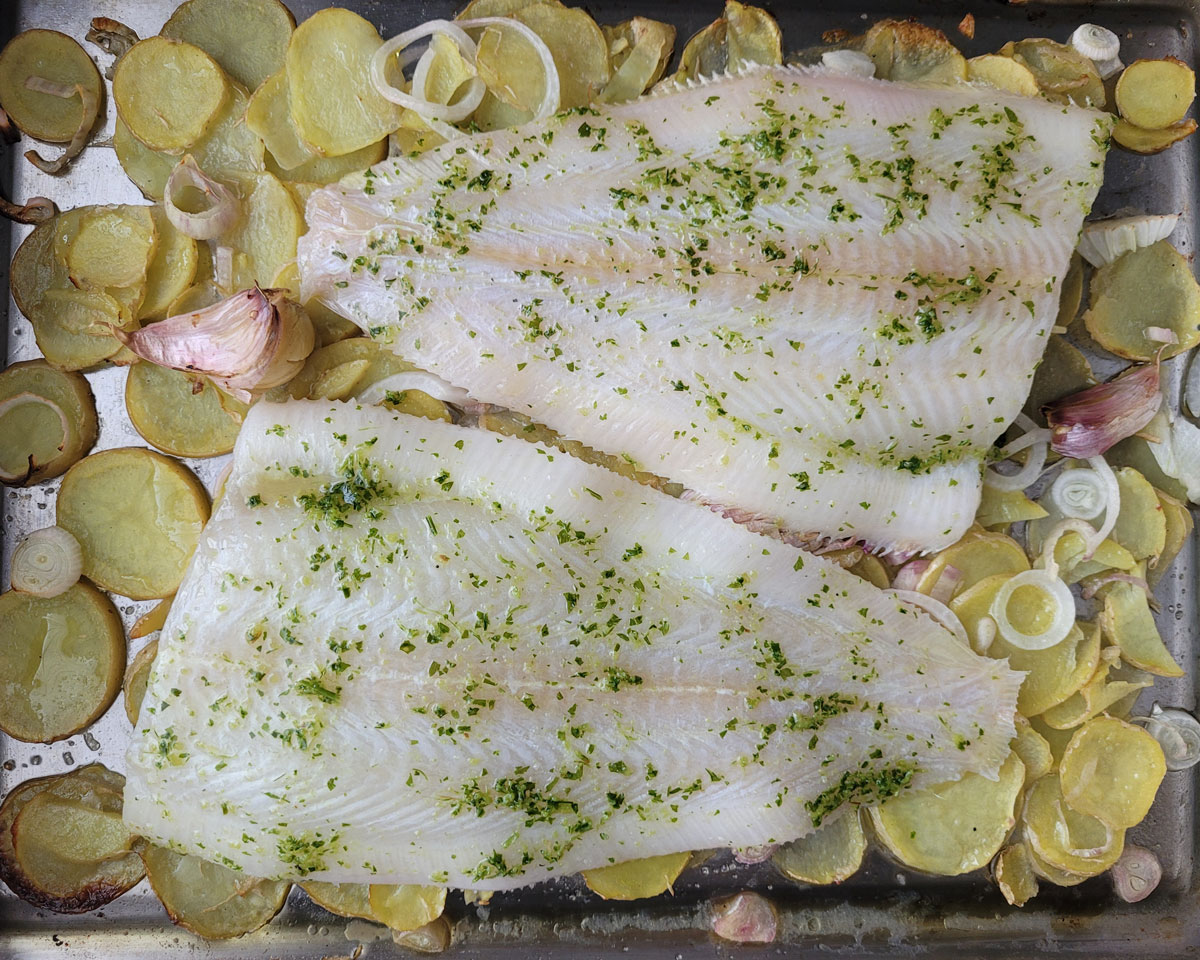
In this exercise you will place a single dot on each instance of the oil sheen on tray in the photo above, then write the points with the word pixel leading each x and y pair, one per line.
pixel 815 298
pixel 408 651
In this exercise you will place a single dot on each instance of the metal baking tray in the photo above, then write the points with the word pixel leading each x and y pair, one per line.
pixel 884 910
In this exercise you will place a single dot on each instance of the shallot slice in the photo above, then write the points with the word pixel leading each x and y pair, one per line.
pixel 1136 874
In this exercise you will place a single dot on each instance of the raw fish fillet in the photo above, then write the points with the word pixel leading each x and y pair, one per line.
pixel 815 298
pixel 413 652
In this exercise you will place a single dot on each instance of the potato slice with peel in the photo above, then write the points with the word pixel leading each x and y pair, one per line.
pixel 1003 73
pixel 165 407
pixel 248 38
pixel 52 56
pixel 344 899
pixel 152 620
pixel 406 906
pixel 208 899
pixel 831 854
pixel 1141 527
pixel 335 106
pixel 37 871
pixel 1065 838
pixel 33 448
pixel 1063 73
pixel 1153 94
pixel 639 51
pixel 951 828
pixel 137 515
pixel 1111 770
pixel 975 558
pixel 1128 623
pixel 1178 529
pixel 79 833
pixel 1002 507
pixel 498 8
pixel 171 271
pixel 1100 693
pixel 1045 871
pixel 1014 875
pixel 318 374
pixel 112 248
pixel 1149 287
pixel 60 663
pixel 1151 141
pixel 137 677
pixel 265 237
pixel 871 569
pixel 910 51
pixel 578 49
pixel 168 93
pixel 1034 751
pixel 637 879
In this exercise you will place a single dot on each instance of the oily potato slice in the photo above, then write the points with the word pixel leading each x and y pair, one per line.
pixel 344 899
pixel 1034 751
pixel 1149 287
pixel 955 827
pixel 1129 624
pixel 1141 527
pixel 113 247
pixel 498 8
pixel 1139 140
pixel 148 169
pixel 52 56
pixel 31 452
pixel 172 269
pixel 639 51
pixel 168 93
pixel 323 170
pixel 743 35
pixel 29 859
pixel 1003 73
pixel 165 407
pixel 1155 94
pixel 208 899
pixel 137 678
pixel 248 38
pixel 578 49
pixel 317 374
pixel 137 515
pixel 60 663
pixel 269 115
pixel 1015 876
pixel 266 233
pixel 1098 695
pixel 1178 520
pixel 1135 452
pixel 335 106
pixel 405 906
pixel 999 508
pixel 230 149
pixel 1063 74
pixel 152 620
pixel 830 854
pixel 328 327
pixel 1111 770
pixel 910 51
pixel 1065 838
pixel 637 879
pixel 975 558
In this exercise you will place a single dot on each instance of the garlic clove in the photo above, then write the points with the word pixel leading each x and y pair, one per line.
pixel 1102 241
pixel 1087 423
pixel 746 917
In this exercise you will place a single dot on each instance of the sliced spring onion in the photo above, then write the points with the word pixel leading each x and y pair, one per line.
pixel 1177 732
pixel 1059 595
pixel 552 96
pixel 937 610
pixel 1036 439
pixel 47 563
pixel 210 223
pixel 438 112
pixel 1136 874
pixel 1079 493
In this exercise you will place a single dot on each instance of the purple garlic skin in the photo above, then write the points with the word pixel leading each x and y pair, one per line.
pixel 1087 423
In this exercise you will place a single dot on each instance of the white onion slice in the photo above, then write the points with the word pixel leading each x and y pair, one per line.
pixel 222 211
pixel 1100 45
pixel 1112 499
pixel 849 63
pixel 1062 834
pixel 1037 439
pixel 47 563
pixel 946 584
pixel 755 854
pixel 1177 732
pixel 416 101
pixel 223 268
pixel 937 610
pixel 428 383
pixel 1059 626
pixel 550 99
pixel 1102 241
pixel 1080 494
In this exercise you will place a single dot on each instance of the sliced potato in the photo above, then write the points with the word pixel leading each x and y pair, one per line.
pixel 248 38
pixel 1100 693
pixel 1064 370
pixel 910 51
pixel 344 899
pixel 1178 529
pixel 1015 876
pixel 1128 623
pixel 1135 452
pixel 744 34
pixel 1071 295
pixel 137 677
pixel 1052 874
pixel 36 861
pixel 321 170
pixel 168 93
pixel 578 49
pixel 637 879
pixel 515 77
pixel 1063 73
pixel 1111 770
pixel 169 413
pixel 171 271
pixel 975 558
pixel 269 115
pixel 1057 673
pixel 210 900
pixel 831 854
pixel 498 8
pixel 954 827
pixel 147 168
pixel 1003 73
pixel 1058 739
pixel 112 248
pixel 1154 94
pixel 1002 507
pixel 1151 141
pixel 230 149
pixel 32 447
pixel 52 56
pixel 266 234
pixel 60 663
pixel 871 569
pixel 335 106
pixel 639 51
pixel 138 515
pixel 1141 527
pixel 1065 838
pixel 315 375
pixel 405 906
pixel 152 620
pixel 1149 287
pixel 1034 751
pixel 72 327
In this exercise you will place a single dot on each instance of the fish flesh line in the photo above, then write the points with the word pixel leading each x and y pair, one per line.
pixel 812 298
pixel 409 651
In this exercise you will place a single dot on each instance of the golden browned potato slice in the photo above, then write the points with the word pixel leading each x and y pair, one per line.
pixel 60 663
pixel 405 906
pixel 637 879
pixel 167 410
pixel 1155 94
pixel 1063 73
pixel 137 515
pixel 1065 838
pixel 344 899
pixel 52 56
pixel 334 104
pixel 1014 874
pixel 80 815
pixel 265 237
pixel 1111 770
pixel 910 51
pixel 269 115
pixel 137 677
pixel 176 259
pixel 248 38
pixel 1003 73
pixel 952 828
pixel 1134 138
pixel 639 51
pixel 744 34
pixel 113 247
pixel 33 447
pixel 1149 287
pixel 831 854
pixel 208 899
pixel 578 49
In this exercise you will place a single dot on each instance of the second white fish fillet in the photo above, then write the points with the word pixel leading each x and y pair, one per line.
pixel 412 652
pixel 815 298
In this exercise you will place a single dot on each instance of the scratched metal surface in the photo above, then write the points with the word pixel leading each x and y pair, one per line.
pixel 884 910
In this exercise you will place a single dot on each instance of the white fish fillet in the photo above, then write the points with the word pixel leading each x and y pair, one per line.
pixel 815 298
pixel 509 664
